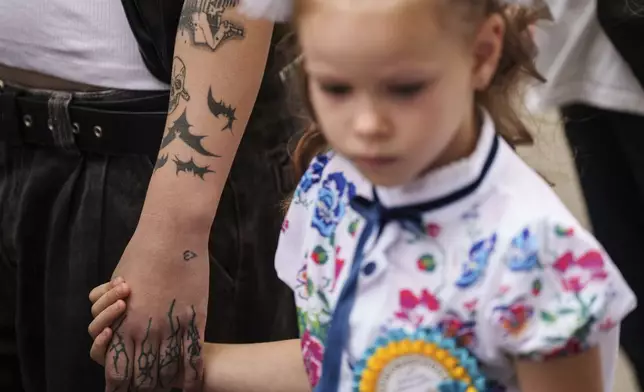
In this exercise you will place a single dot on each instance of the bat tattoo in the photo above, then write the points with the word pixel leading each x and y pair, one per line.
pixel 203 21
pixel 191 167
pixel 181 129
pixel 146 361
pixel 172 357
pixel 161 161
pixel 194 340
pixel 117 346
pixel 219 108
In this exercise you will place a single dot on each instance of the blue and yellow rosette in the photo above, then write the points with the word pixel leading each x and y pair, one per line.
pixel 451 368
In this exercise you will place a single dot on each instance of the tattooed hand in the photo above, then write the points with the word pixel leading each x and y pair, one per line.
pixel 159 339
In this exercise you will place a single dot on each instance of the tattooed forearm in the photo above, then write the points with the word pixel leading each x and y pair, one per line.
pixel 204 24
pixel 169 363
pixel 219 108
pixel 146 361
pixel 117 347
pixel 178 84
pixel 194 343
pixel 189 255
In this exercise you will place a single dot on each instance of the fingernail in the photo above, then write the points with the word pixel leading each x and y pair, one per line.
pixel 117 280
pixel 122 288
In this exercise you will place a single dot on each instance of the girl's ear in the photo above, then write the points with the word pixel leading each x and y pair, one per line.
pixel 487 50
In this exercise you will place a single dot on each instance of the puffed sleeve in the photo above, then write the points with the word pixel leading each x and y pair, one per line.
pixel 557 293
pixel 290 254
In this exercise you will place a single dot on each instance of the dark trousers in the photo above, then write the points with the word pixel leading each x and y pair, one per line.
pixel 66 216
pixel 608 148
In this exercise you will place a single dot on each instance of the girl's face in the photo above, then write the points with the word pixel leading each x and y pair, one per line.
pixel 392 90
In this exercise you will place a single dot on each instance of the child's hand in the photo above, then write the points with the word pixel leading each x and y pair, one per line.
pixel 108 306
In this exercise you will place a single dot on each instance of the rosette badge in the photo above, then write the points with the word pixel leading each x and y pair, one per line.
pixel 423 361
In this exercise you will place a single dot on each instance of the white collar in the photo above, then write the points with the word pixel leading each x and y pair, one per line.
pixel 458 178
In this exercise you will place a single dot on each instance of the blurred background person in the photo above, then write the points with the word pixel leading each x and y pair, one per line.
pixel 593 72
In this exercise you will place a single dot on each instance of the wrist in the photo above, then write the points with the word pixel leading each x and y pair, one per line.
pixel 171 210
pixel 173 223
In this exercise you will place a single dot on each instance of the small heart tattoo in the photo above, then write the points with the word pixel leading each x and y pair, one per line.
pixel 189 255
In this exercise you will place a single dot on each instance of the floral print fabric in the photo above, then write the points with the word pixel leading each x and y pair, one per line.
pixel 558 292
pixel 500 278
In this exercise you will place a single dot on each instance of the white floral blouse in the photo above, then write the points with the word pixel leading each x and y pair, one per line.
pixel 437 285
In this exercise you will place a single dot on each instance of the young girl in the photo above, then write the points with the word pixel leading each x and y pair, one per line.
pixel 423 253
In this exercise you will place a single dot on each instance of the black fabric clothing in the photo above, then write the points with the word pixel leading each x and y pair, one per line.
pixel 67 214
pixel 623 22
pixel 608 149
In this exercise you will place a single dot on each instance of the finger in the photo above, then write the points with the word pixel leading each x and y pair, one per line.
pixel 99 291
pixel 121 291
pixel 193 354
pixel 146 361
pixel 100 345
pixel 170 354
pixel 119 360
pixel 106 318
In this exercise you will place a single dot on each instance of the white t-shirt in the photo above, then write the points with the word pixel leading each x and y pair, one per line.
pixel 86 41
pixel 580 63
pixel 489 265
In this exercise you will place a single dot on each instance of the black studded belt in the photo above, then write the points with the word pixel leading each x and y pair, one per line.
pixel 108 122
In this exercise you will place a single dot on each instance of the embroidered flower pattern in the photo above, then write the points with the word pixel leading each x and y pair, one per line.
pixel 524 252
pixel 332 203
pixel 586 268
pixel 607 325
pixel 314 325
pixel 304 286
pixel 353 228
pixel 562 231
pixel 312 176
pixel 312 353
pixel 536 287
pixel 474 267
pixel 514 317
pixel 433 230
pixel 409 301
pixel 426 263
pixel 454 326
pixel 413 309
pixel 339 266
pixel 577 302
pixel 548 296
pixel 319 255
